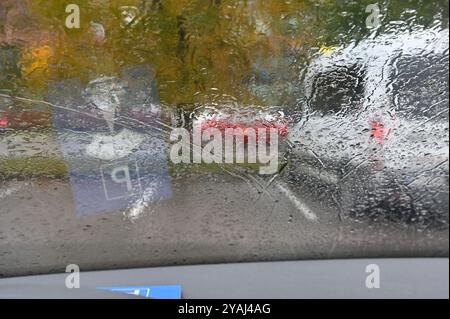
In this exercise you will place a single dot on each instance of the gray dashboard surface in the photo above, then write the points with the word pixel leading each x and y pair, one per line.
pixel 399 278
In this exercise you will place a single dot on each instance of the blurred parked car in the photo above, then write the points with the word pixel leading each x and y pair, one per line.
pixel 16 116
pixel 375 127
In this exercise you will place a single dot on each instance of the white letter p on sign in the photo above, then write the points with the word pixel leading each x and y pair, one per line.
pixel 124 179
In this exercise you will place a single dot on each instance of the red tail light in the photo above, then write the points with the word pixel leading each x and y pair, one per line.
pixel 3 123
pixel 281 127
pixel 249 120
pixel 379 132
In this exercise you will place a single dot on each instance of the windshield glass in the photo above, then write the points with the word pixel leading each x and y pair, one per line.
pixel 166 132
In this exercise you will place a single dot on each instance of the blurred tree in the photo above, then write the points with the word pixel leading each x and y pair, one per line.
pixel 203 51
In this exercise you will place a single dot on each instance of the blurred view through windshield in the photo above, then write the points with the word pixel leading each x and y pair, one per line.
pixel 114 118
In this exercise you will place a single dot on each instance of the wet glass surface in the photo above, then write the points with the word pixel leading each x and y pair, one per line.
pixel 88 171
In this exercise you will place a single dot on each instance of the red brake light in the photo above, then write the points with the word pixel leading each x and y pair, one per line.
pixel 3 123
pixel 379 133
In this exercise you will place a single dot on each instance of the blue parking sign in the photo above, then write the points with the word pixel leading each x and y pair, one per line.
pixel 111 140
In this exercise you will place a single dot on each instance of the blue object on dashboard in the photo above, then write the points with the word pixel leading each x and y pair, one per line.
pixel 154 292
